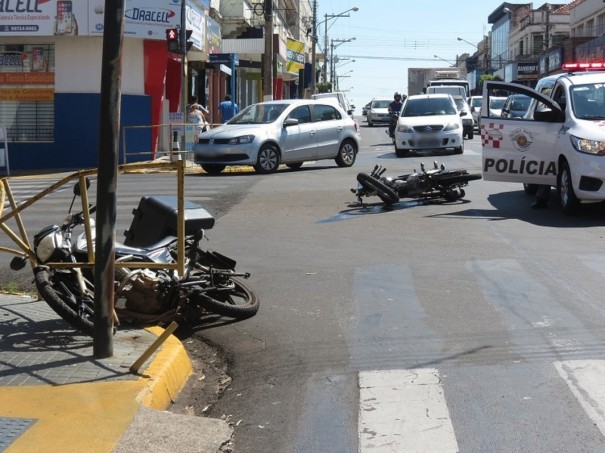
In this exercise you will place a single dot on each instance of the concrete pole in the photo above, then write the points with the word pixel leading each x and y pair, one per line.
pixel 109 147
pixel 268 57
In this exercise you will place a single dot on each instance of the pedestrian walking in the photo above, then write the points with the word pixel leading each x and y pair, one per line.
pixel 228 109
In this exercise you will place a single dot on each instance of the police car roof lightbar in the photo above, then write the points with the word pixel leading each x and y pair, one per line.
pixel 570 67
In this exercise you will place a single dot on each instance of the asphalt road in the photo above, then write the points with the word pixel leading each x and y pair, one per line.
pixel 469 326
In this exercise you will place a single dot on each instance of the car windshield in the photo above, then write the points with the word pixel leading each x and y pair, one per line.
pixel 476 102
pixel 460 104
pixel 428 107
pixel 588 101
pixel 263 113
pixel 496 103
pixel 520 103
pixel 382 104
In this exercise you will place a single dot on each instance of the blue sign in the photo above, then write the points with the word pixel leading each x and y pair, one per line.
pixel 224 58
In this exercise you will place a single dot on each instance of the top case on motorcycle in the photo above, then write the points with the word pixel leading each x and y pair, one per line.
pixel 156 217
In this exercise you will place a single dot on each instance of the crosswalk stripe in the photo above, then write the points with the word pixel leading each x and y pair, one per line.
pixel 585 380
pixel 404 411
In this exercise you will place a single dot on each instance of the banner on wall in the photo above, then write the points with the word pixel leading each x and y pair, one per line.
pixel 295 56
pixel 147 19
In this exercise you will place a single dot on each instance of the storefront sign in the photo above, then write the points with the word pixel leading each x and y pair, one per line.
pixel 527 70
pixel 295 55
pixel 142 18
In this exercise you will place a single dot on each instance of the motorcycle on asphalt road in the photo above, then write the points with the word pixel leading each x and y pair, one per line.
pixel 437 182
pixel 145 295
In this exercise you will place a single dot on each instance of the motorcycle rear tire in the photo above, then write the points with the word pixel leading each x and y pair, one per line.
pixel 240 302
pixel 60 290
pixel 384 192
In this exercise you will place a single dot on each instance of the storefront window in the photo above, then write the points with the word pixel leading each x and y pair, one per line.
pixel 27 88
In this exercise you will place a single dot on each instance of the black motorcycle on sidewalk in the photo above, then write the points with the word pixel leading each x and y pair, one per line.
pixel 148 287
pixel 437 182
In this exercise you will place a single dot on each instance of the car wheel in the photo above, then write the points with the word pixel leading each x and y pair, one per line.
pixel 530 189
pixel 213 169
pixel 401 152
pixel 268 160
pixel 346 154
pixel 294 166
pixel 459 149
pixel 567 196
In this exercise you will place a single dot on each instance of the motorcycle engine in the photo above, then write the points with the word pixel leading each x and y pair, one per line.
pixel 140 290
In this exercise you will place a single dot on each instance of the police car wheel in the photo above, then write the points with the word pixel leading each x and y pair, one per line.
pixel 569 202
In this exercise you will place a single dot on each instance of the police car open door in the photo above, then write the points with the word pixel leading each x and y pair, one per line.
pixel 519 148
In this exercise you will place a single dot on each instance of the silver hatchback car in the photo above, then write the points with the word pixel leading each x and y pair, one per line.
pixel 288 132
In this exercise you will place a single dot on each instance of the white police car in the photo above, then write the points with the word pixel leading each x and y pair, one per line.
pixel 560 141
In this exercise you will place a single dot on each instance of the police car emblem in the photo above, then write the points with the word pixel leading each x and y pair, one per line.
pixel 522 139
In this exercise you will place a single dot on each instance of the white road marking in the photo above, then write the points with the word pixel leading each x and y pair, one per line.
pixel 585 380
pixel 404 411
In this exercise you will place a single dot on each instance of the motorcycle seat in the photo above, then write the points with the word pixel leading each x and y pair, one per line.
pixel 128 250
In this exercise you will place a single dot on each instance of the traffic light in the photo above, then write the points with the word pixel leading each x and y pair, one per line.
pixel 187 42
pixel 172 40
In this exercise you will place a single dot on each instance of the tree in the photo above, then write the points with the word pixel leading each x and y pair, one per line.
pixel 324 87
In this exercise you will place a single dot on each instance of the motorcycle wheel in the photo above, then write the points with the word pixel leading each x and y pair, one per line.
pixel 384 192
pixel 61 291
pixel 238 301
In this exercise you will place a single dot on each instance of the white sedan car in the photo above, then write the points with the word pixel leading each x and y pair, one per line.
pixel 428 121
pixel 288 132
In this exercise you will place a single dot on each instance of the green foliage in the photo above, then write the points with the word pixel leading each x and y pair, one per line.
pixel 488 77
pixel 323 87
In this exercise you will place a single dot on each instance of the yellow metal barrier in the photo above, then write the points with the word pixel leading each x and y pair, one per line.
pixel 21 239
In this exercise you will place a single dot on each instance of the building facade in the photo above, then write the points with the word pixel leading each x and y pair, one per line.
pixel 51 69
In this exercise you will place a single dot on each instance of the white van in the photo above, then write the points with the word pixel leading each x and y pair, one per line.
pixel 340 97
pixel 454 90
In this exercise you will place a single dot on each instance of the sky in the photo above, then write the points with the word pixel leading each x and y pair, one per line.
pixel 394 35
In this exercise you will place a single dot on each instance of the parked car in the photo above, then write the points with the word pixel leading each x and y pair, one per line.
pixel 379 111
pixel 288 132
pixel 465 114
pixel 474 102
pixel 428 121
pixel 515 106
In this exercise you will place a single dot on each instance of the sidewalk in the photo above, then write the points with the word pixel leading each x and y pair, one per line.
pixel 56 396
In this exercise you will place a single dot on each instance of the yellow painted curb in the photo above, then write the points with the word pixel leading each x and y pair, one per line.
pixel 167 374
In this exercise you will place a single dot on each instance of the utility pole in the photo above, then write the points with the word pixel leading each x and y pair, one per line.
pixel 109 147
pixel 313 47
pixel 547 39
pixel 183 52
pixel 268 61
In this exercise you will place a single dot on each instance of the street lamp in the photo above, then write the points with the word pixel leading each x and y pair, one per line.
pixel 338 77
pixel 327 17
pixel 332 47
pixel 443 59
pixel 468 42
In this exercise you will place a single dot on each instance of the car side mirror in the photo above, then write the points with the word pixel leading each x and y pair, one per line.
pixel 549 116
pixel 290 122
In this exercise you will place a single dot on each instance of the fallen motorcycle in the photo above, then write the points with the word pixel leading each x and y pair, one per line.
pixel 144 295
pixel 437 182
